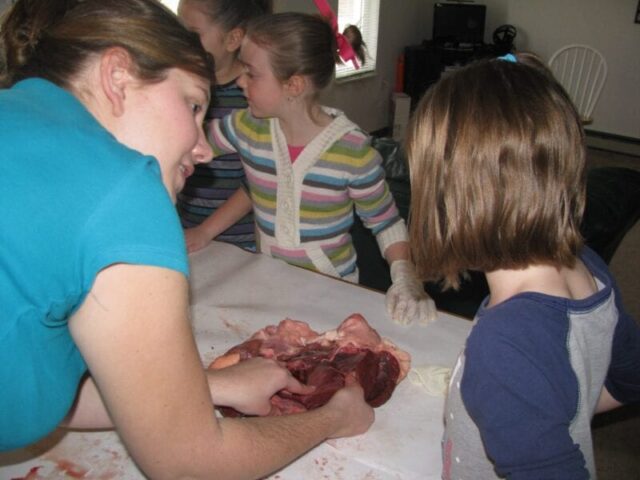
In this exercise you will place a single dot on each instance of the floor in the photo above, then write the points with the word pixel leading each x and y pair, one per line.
pixel 616 434
pixel 625 264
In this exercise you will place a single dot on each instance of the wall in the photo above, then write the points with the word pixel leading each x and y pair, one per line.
pixel 543 27
pixel 299 6
pixel 546 25
pixel 367 100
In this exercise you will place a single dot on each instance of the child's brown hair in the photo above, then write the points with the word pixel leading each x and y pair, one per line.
pixel 299 44
pixel 496 154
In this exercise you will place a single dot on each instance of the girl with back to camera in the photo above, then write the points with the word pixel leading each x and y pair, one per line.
pixel 307 166
pixel 497 161
pixel 221 26
pixel 94 325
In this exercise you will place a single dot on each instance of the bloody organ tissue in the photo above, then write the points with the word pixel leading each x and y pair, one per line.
pixel 324 360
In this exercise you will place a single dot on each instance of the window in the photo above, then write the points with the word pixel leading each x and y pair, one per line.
pixel 365 15
pixel 172 4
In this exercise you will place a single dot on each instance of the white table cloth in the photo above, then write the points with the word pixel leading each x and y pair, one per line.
pixel 234 293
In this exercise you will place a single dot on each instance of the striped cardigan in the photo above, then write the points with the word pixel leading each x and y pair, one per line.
pixel 304 210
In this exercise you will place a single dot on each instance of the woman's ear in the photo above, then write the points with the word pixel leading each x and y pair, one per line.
pixel 233 39
pixel 115 77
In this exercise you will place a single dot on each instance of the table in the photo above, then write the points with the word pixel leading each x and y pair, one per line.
pixel 234 293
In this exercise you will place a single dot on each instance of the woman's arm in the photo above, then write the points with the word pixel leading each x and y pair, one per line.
pixel 88 410
pixel 230 212
pixel 247 386
pixel 134 334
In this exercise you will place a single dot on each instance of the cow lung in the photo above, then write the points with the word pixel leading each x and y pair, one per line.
pixel 324 360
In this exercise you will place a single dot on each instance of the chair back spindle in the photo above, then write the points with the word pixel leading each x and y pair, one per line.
pixel 582 71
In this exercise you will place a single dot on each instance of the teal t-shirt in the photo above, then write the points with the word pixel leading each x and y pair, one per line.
pixel 73 201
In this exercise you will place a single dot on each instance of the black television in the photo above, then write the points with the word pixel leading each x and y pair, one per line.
pixel 458 24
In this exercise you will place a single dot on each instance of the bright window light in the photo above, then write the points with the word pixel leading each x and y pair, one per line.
pixel 172 4
pixel 365 15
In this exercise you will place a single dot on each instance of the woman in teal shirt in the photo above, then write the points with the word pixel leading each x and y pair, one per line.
pixel 100 125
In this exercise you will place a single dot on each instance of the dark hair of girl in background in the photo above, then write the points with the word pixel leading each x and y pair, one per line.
pixel 230 14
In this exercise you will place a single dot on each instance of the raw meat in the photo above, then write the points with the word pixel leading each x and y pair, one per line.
pixel 324 360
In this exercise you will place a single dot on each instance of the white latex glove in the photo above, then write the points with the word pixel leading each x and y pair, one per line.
pixel 406 300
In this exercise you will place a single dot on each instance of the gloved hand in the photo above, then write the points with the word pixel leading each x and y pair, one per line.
pixel 406 300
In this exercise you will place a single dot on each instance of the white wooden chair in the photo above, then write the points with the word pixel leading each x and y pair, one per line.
pixel 582 71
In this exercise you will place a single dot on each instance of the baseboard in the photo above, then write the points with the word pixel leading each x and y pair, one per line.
pixel 613 143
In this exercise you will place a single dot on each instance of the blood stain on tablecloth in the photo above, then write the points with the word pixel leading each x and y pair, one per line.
pixel 84 459
pixel 63 469
pixel 241 331
pixel 71 469
pixel 332 468
pixel 32 475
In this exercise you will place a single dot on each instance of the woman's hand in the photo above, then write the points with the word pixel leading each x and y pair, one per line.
pixel 357 414
pixel 249 385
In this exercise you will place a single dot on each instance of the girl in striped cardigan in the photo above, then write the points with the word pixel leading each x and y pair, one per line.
pixel 308 168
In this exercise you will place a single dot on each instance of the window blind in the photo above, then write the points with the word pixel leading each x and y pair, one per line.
pixel 365 15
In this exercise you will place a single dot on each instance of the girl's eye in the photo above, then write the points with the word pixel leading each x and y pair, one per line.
pixel 196 108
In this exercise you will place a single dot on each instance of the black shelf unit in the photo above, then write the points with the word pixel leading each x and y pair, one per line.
pixel 425 63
